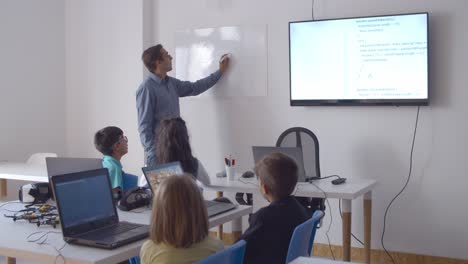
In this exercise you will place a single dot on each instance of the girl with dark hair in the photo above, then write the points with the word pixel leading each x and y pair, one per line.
pixel 172 144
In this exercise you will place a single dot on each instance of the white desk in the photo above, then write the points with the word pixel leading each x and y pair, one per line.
pixel 21 171
pixel 13 242
pixel 312 260
pixel 352 189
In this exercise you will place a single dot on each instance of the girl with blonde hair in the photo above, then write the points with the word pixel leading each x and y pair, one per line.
pixel 179 224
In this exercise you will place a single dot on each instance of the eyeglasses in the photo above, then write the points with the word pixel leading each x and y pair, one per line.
pixel 122 140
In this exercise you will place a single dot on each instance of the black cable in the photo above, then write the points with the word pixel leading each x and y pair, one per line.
pixel 402 189
pixel 41 240
pixel 341 214
pixel 331 219
pixel 313 2
pixel 316 178
pixel 7 203
pixel 247 182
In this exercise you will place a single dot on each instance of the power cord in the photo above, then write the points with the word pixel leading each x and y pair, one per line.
pixel 42 240
pixel 9 210
pixel 331 218
pixel 402 189
pixel 247 182
pixel 316 178
pixel 341 214
pixel 313 3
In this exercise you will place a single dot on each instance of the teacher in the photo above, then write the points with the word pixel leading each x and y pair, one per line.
pixel 157 97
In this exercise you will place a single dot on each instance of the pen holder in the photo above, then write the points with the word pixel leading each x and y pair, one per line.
pixel 230 172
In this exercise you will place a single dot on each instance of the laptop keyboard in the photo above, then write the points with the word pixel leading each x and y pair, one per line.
pixel 112 230
pixel 210 203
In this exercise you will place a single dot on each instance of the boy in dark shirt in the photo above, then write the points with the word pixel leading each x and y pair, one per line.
pixel 271 227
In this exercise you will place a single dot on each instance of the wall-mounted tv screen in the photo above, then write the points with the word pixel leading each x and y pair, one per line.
pixel 379 60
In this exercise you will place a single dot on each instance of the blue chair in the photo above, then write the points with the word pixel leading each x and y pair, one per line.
pixel 231 255
pixel 129 181
pixel 134 260
pixel 302 239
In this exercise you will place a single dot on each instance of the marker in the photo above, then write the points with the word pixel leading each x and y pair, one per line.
pixel 227 55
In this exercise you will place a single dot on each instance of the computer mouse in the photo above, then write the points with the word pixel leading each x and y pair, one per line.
pixel 248 174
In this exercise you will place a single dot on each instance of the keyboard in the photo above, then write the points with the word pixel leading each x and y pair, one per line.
pixel 110 231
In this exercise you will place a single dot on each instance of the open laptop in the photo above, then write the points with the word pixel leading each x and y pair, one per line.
pixel 87 213
pixel 295 153
pixel 60 165
pixel 155 174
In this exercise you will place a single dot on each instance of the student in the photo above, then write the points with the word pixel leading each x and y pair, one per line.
pixel 271 227
pixel 158 96
pixel 172 144
pixel 179 224
pixel 112 143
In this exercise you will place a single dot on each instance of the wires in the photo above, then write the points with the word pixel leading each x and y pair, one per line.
pixel 313 3
pixel 247 182
pixel 331 219
pixel 402 189
pixel 41 239
pixel 9 210
pixel 316 178
pixel 341 214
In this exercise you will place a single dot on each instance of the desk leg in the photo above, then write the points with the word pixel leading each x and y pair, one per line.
pixel 346 230
pixel 220 227
pixel 3 187
pixel 10 260
pixel 236 229
pixel 367 226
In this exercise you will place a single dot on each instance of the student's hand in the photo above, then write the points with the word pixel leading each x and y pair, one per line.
pixel 223 63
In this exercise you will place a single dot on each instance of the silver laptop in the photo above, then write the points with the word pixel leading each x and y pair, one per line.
pixel 295 153
pixel 87 212
pixel 155 174
pixel 58 166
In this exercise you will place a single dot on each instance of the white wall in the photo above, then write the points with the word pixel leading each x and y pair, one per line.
pixel 104 41
pixel 367 142
pixel 32 82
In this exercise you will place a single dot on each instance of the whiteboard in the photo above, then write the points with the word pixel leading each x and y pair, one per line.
pixel 198 52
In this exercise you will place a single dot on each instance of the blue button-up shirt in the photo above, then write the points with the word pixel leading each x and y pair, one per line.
pixel 158 99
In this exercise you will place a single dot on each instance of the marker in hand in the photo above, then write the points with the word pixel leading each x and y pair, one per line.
pixel 224 57
pixel 223 62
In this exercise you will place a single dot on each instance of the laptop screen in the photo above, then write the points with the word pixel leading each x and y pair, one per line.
pixel 84 199
pixel 155 174
pixel 295 153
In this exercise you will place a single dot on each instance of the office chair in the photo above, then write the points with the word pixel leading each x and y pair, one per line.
pixel 306 140
pixel 302 239
pixel 134 260
pixel 231 255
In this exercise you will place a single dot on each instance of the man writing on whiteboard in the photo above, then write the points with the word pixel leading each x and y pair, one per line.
pixel 157 97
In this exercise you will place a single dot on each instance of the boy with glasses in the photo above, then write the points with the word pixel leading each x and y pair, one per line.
pixel 112 143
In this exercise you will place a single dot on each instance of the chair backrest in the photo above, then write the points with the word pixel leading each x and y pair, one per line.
pixel 303 238
pixel 40 158
pixel 134 260
pixel 231 255
pixel 306 140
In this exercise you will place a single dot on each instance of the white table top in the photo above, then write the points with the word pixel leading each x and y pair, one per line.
pixel 13 242
pixel 23 171
pixel 313 260
pixel 351 189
